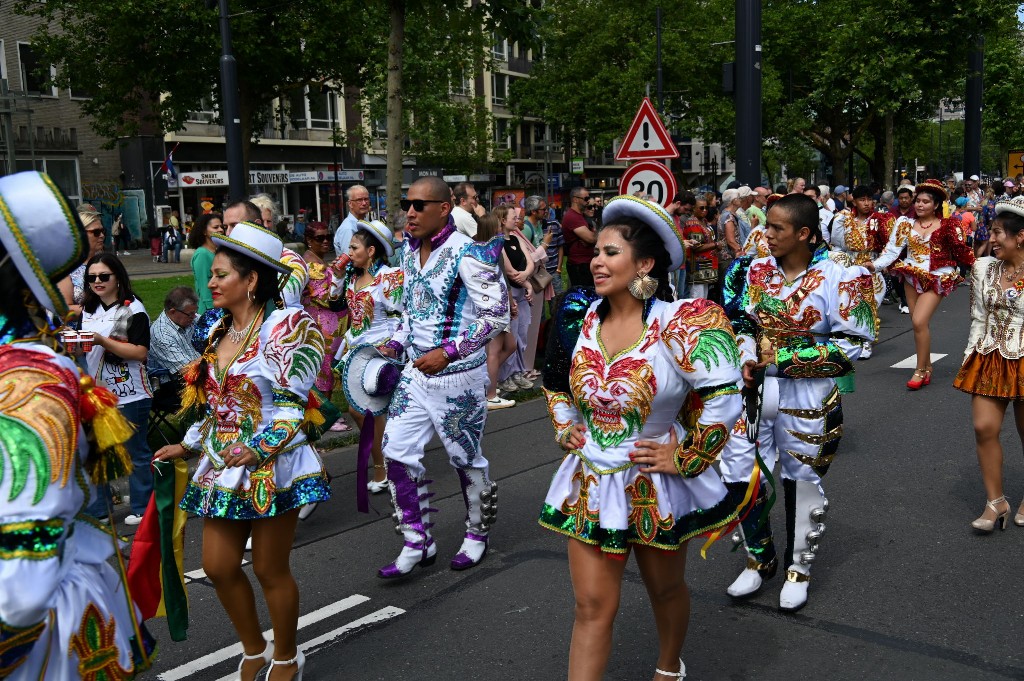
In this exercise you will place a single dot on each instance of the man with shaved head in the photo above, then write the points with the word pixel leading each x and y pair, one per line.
pixel 455 301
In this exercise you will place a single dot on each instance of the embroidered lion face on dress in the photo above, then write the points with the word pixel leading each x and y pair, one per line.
pixel 238 408
pixel 615 401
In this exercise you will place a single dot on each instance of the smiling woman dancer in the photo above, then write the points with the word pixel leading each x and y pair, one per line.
pixel 935 247
pixel 991 371
pixel 621 368
pixel 256 467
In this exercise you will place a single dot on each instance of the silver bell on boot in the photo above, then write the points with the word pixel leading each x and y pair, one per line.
pixel 810 510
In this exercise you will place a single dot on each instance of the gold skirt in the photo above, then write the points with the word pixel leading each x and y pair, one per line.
pixel 991 375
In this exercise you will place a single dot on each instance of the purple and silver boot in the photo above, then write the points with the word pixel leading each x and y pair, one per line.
pixel 481 497
pixel 412 521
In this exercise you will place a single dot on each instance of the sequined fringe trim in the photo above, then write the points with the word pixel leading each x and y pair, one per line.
pixel 235 505
pixel 617 541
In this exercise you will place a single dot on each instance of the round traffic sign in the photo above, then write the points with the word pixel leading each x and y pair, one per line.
pixel 649 178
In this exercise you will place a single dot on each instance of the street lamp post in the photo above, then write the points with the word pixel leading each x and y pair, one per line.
pixel 237 178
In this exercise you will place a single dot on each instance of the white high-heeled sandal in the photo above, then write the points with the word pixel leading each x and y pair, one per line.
pixel 681 674
pixel 299 661
pixel 267 656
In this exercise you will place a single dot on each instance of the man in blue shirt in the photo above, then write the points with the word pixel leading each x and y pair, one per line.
pixel 358 208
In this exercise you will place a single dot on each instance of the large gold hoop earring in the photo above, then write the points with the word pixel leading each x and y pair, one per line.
pixel 250 296
pixel 643 286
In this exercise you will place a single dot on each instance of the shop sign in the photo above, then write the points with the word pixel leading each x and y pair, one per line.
pixel 268 177
pixel 304 176
pixel 206 178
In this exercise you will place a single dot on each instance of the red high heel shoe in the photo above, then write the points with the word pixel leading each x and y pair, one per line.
pixel 919 380
pixel 927 376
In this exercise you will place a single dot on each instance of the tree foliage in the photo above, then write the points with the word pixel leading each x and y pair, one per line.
pixel 839 77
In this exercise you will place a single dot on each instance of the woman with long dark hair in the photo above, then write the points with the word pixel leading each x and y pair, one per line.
pixel 936 246
pixel 64 605
pixel 119 325
pixel 256 467
pixel 200 240
pixel 993 366
pixel 618 372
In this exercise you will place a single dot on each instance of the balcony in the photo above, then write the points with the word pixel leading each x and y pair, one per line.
pixel 46 139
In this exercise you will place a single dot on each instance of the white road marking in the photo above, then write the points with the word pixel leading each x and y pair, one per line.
pixel 911 362
pixel 201 574
pixel 309 647
pixel 235 650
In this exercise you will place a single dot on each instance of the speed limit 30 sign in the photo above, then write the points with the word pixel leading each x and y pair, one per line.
pixel 649 178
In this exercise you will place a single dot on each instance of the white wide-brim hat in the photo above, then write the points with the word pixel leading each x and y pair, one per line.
pixel 653 215
pixel 379 230
pixel 369 378
pixel 42 235
pixel 256 242
pixel 1014 205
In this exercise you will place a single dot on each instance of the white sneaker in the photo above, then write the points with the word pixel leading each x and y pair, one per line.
pixel 132 519
pixel 865 352
pixel 499 403
pixel 126 253
pixel 508 386
pixel 904 309
pixel 522 381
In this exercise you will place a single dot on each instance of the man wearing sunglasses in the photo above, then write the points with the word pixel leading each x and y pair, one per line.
pixel 579 237
pixel 455 301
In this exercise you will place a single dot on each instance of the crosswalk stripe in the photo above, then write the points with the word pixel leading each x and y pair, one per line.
pixel 315 644
pixel 235 650
pixel 911 362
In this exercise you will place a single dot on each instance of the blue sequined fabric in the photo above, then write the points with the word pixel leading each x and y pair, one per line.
pixel 569 313
pixel 202 326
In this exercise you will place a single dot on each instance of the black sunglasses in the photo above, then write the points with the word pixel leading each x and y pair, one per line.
pixel 417 204
pixel 95 232
pixel 321 237
pixel 102 276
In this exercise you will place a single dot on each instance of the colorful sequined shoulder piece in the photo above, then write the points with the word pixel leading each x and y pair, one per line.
pixel 38 421
pixel 487 253
pixel 565 331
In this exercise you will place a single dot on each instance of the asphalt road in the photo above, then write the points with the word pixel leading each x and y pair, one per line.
pixel 902 589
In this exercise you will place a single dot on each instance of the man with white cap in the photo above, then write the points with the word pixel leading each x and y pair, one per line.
pixel 455 301
pixel 975 197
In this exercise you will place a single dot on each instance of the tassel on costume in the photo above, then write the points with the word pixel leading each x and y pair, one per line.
pixel 193 396
pixel 110 430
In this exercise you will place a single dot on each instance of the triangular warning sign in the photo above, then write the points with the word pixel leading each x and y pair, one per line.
pixel 647 137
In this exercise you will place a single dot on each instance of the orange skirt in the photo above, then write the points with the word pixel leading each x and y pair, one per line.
pixel 991 375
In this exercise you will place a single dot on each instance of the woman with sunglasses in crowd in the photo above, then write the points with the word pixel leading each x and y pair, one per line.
pixel 73 288
pixel 317 301
pixel 117 361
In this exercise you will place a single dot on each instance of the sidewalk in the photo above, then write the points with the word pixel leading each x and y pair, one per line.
pixel 140 265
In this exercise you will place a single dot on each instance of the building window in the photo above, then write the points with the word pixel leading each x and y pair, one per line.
pixel 79 90
pixel 500 49
pixel 499 88
pixel 29 67
pixel 501 128
pixel 380 128
pixel 207 112
pixel 3 61
pixel 63 172
pixel 462 86
pixel 323 109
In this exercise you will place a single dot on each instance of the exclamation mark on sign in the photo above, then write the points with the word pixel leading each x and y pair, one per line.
pixel 647 135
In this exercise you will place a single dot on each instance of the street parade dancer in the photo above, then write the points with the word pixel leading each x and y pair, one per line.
pixel 936 246
pixel 248 398
pixel 622 364
pixel 65 610
pixel 800 319
pixel 455 301
pixel 862 233
pixel 373 292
